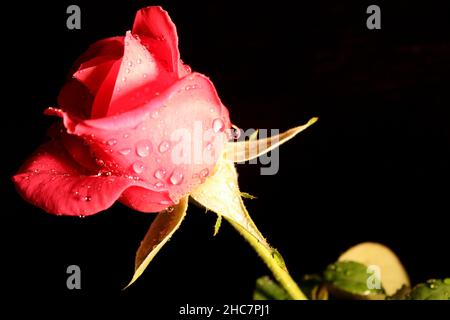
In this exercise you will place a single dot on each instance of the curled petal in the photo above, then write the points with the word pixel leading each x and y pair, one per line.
pixel 159 33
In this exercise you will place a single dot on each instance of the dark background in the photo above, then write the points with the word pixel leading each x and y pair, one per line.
pixel 374 168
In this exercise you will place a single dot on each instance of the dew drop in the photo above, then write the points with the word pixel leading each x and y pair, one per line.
pixel 176 177
pixel 104 174
pixel 138 167
pixel 143 148
pixel 100 162
pixel 233 133
pixel 164 146
pixel 111 142
pixel 127 70
pixel 191 87
pixel 204 173
pixel 218 125
pixel 159 185
pixel 144 76
pixel 160 174
pixel 87 198
pixel 126 135
pixel 130 64
pixel 125 151
pixel 155 114
pixel 124 79
pixel 170 209
pixel 209 146
pixel 138 61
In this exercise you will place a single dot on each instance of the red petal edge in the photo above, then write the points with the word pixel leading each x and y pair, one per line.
pixel 53 181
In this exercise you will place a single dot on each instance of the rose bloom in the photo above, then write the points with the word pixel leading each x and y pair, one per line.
pixel 130 111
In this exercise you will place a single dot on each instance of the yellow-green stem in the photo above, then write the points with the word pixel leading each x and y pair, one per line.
pixel 279 272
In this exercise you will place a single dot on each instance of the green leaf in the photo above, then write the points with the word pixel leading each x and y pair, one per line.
pixel 267 289
pixel 431 290
pixel 391 271
pixel 162 228
pixel 349 279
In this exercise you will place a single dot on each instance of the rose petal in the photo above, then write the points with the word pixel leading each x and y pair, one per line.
pixel 159 33
pixel 138 70
pixel 102 50
pixel 191 107
pixel 93 74
pixel 75 99
pixel 53 181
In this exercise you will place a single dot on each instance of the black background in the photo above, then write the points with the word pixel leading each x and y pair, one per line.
pixel 374 168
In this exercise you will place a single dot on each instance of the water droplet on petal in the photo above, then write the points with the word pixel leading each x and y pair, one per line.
pixel 126 135
pixel 159 185
pixel 218 125
pixel 155 114
pixel 124 79
pixel 125 151
pixel 160 174
pixel 143 148
pixel 127 70
pixel 164 146
pixel 144 76
pixel 100 162
pixel 138 167
pixel 130 64
pixel 204 173
pixel 138 61
pixel 176 177
pixel 87 198
pixel 111 142
pixel 209 146
pixel 233 133
pixel 191 87
pixel 170 209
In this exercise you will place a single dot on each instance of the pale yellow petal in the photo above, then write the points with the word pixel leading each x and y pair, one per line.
pixel 242 151
pixel 162 228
